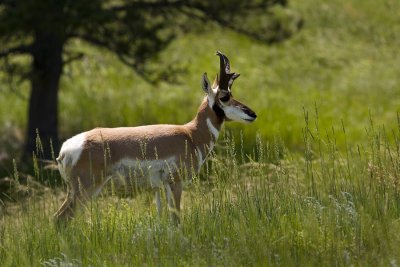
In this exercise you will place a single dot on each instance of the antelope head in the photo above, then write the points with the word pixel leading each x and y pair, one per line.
pixel 220 96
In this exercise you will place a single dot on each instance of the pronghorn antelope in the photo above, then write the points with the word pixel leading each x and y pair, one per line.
pixel 149 157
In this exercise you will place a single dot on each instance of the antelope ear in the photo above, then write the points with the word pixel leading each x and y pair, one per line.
pixel 215 84
pixel 205 83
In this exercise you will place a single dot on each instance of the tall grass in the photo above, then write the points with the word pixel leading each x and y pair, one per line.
pixel 334 204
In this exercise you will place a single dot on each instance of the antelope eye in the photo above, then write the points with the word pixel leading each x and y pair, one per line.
pixel 225 98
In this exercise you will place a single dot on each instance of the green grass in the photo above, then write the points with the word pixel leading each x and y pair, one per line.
pixel 332 206
pixel 314 181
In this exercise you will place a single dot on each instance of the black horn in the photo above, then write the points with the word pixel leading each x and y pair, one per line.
pixel 226 78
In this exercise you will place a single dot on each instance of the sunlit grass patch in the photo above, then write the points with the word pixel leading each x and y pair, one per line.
pixel 334 204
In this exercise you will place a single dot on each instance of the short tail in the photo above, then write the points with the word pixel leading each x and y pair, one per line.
pixel 61 167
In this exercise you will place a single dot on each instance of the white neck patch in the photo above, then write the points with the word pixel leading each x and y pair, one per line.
pixel 212 129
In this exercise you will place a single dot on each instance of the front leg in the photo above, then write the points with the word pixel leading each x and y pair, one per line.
pixel 170 201
pixel 176 189
pixel 173 203
pixel 173 194
pixel 155 179
pixel 168 197
pixel 168 194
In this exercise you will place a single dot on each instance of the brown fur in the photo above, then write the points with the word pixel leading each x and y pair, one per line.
pixel 150 142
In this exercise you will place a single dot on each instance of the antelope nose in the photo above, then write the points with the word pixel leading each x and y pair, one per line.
pixel 253 114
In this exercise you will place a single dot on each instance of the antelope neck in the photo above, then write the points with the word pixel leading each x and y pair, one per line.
pixel 205 127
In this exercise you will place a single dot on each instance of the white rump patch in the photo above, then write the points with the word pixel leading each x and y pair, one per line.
pixel 212 129
pixel 71 150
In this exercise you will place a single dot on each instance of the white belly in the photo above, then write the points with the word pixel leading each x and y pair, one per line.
pixel 139 175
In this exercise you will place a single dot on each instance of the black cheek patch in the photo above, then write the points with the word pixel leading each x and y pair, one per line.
pixel 219 111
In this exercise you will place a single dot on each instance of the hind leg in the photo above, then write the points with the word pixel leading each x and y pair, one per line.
pixel 66 208
pixel 74 200
pixel 79 192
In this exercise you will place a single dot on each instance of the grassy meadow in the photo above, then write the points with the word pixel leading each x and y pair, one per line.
pixel 314 181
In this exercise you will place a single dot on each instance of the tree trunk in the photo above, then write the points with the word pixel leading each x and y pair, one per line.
pixel 43 101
